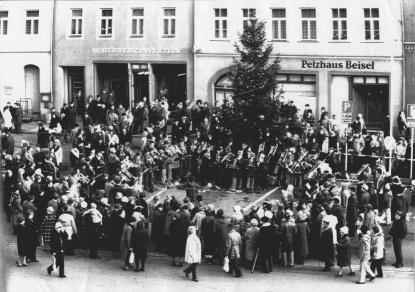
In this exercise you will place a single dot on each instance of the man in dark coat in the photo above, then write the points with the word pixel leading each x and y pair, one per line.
pixel 42 136
pixel 18 118
pixel 208 231
pixel 7 143
pixel 398 232
pixel 352 213
pixel 56 246
pixel 326 246
pixel 267 241
pixel 221 234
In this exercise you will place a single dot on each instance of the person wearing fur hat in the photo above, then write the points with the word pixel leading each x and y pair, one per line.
pixel 344 252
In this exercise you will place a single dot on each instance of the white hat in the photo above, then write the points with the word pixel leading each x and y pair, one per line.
pixel 237 208
pixel 64 198
pixel 344 230
pixel 50 210
pixel 104 201
pixel 84 204
pixel 268 214
pixel 124 199
pixel 39 172
pixel 289 212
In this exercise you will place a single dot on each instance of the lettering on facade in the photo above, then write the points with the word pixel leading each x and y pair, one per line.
pixel 136 51
pixel 8 89
pixel 306 64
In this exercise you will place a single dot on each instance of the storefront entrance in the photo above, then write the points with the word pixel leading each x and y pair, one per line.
pixel 113 83
pixel 170 82
pixel 370 96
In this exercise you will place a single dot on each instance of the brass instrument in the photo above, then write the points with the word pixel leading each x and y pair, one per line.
pixel 297 165
pixel 281 160
pixel 355 176
pixel 251 159
pixel 261 147
pixel 271 153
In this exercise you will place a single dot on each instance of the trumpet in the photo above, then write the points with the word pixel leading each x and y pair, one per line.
pixel 297 165
pixel 281 161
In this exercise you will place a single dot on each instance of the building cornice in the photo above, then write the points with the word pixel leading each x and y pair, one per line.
pixel 397 58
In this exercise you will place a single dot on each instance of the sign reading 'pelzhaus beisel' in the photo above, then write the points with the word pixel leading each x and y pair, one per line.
pixel 351 65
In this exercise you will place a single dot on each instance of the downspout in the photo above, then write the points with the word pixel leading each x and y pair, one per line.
pixel 403 55
pixel 52 34
pixel 193 49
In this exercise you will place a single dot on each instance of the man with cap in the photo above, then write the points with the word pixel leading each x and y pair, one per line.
pixel 398 232
pixel 58 236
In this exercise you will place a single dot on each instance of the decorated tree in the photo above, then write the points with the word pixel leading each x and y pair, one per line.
pixel 255 104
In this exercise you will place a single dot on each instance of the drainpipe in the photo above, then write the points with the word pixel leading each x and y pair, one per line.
pixel 51 47
pixel 403 54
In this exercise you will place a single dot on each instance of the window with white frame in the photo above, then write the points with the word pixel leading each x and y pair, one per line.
pixel 32 22
pixel 106 22
pixel 371 23
pixel 221 23
pixel 339 23
pixel 137 22
pixel 279 24
pixel 4 21
pixel 76 22
pixel 248 14
pixel 309 24
pixel 169 22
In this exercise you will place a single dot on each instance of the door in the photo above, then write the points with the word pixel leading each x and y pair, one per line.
pixel 119 89
pixel 32 87
pixel 141 88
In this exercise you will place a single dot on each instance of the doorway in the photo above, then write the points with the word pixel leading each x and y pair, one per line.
pixel 372 101
pixel 32 88
pixel 170 82
pixel 113 83
pixel 141 89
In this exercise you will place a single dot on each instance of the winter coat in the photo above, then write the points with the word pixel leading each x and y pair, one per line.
pixel 399 202
pixel 364 247
pixel 267 240
pixel 221 232
pixel 303 232
pixel 69 225
pixel 139 242
pixel 193 253
pixel 288 232
pixel 251 242
pixel 399 229
pixel 125 242
pixel 56 241
pixel 22 240
pixel 378 245
pixel 233 245
pixel 326 244
pixel 344 251
pixel 369 220
pixel 208 233
pixel 47 227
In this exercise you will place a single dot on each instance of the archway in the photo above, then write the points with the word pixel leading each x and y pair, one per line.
pixel 223 89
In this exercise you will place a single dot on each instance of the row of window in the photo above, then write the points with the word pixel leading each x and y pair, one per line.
pixel 278 23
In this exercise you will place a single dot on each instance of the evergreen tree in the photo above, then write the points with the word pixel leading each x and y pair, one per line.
pixel 255 101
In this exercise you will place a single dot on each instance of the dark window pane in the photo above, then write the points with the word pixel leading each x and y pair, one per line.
pixel 4 13
pixel 344 30
pixel 73 26
pixel 335 12
pixel 80 26
pixel 366 12
pixel 224 13
pixel 28 27
pixel 343 12
pixel 107 12
pixel 335 30
pixel 217 13
pixel 216 24
pixel 35 26
pixel 313 30
pixel 224 24
pixel 375 12
pixel 103 26
pixel 141 27
pixel 305 29
pixel 5 23
pixel 134 26
pixel 32 13
pixel 170 12
pixel 166 27
pixel 245 12
pixel 275 29
pixel 109 26
pixel 283 29
pixel 367 30
pixel 76 12
pixel 138 12
pixel 278 13
pixel 225 33
pixel 173 26
pixel 308 13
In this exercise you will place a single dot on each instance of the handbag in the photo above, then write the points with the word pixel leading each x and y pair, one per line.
pixel 131 258
pixel 226 264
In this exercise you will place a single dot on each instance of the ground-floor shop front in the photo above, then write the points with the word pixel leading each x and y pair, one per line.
pixel 374 86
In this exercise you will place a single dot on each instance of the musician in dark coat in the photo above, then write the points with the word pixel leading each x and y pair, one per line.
pixel 56 245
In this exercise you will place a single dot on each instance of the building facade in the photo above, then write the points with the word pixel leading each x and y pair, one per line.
pixel 409 50
pixel 330 51
pixel 25 54
pixel 125 51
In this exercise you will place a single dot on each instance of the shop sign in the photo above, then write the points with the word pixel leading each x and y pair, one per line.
pixel 349 65
pixel 410 116
pixel 7 89
pixel 167 51
pixel 347 112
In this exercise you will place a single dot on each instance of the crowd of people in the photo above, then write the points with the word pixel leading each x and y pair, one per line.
pixel 100 202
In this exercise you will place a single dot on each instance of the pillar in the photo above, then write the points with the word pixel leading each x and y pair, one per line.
pixel 151 83
pixel 130 86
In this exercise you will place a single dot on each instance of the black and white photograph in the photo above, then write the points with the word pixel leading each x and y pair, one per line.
pixel 207 145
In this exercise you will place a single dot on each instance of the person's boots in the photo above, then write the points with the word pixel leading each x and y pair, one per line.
pixel 291 261
pixel 284 256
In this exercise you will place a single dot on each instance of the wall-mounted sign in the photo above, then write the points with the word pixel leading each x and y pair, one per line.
pixel 347 112
pixel 350 65
pixel 136 51
pixel 7 89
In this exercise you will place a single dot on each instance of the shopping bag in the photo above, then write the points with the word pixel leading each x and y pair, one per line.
pixel 226 264
pixel 53 262
pixel 131 258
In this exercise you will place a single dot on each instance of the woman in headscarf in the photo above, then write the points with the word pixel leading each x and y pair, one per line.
pixel 251 242
pixel 193 253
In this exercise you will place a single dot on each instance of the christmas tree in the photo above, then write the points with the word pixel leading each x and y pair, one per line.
pixel 255 105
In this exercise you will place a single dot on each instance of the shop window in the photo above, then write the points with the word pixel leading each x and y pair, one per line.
pixel 224 90
pixel 4 15
pixel 106 22
pixel 221 23
pixel 76 23
pixel 32 22
pixel 137 22
pixel 372 31
pixel 339 24
pixel 296 78
pixel 169 22
pixel 279 24
pixel 309 24
pixel 248 14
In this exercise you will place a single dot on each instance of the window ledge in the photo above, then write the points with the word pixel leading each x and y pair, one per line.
pixel 168 36
pixel 136 36
pixel 105 36
pixel 220 40
pixel 341 42
pixel 308 41
pixel 278 41
pixel 75 36
pixel 375 42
